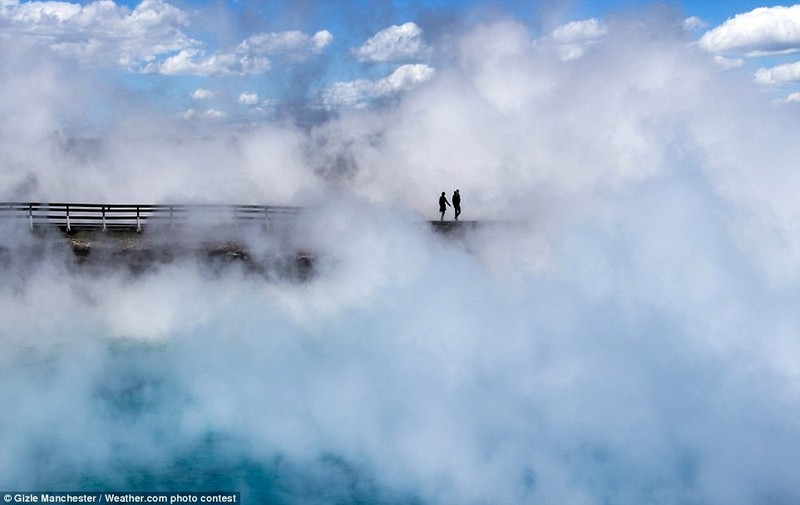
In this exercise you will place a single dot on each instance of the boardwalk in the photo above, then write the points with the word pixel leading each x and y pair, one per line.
pixel 114 235
pixel 79 217
pixel 141 236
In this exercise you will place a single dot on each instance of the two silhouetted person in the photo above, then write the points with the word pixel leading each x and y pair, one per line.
pixel 443 204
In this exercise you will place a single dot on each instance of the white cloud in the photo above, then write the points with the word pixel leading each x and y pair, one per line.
pixel 573 38
pixel 396 43
pixel 248 98
pixel 781 74
pixel 207 114
pixel 762 31
pixel 361 92
pixel 149 38
pixel 724 62
pixel 195 62
pixel 52 13
pixel 693 23
pixel 100 33
pixel 248 58
pixel 793 97
pixel 580 31
pixel 294 44
pixel 203 94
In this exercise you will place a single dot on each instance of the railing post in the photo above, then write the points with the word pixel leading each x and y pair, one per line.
pixel 30 215
pixel 138 221
pixel 103 210
pixel 69 226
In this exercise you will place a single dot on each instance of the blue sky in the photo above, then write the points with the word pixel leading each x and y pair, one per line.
pixel 243 59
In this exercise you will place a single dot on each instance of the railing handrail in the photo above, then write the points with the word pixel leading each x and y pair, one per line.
pixel 104 215
pixel 26 205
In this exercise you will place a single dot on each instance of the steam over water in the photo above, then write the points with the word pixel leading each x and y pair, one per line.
pixel 622 329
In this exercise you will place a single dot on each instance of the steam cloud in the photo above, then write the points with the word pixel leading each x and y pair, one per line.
pixel 626 332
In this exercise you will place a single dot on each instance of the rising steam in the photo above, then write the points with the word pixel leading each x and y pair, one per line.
pixel 622 328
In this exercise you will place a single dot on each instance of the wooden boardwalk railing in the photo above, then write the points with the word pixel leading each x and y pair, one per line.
pixel 72 217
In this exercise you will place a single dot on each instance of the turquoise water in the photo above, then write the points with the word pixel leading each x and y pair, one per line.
pixel 134 392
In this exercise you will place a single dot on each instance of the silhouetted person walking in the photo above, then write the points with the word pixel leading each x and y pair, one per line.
pixel 457 203
pixel 443 204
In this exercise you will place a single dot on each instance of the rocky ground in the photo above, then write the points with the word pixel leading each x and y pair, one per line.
pixel 138 252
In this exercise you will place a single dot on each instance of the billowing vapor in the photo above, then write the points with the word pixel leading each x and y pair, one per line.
pixel 620 327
